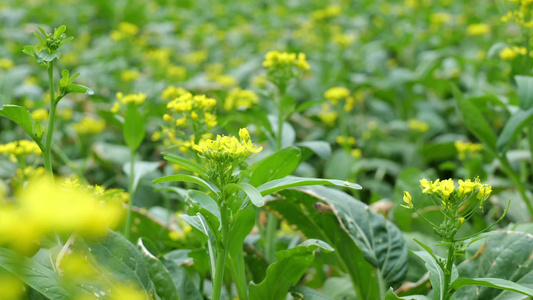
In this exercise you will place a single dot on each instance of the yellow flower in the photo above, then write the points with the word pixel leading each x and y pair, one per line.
pixel 21 147
pixel 130 75
pixel 173 92
pixel 438 19
pixel 477 29
pixel 335 94
pixel 125 30
pixel 40 114
pixel 284 60
pixel 89 125
pixel 342 140
pixel 464 148
pixel 136 99
pixel 417 125
pixel 356 153
pixel 227 148
pixel 466 187
pixel 240 99
pixel 508 54
pixel 12 287
pixel 6 64
pixel 408 200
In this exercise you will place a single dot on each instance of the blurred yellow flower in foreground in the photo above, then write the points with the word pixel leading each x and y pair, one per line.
pixel 44 208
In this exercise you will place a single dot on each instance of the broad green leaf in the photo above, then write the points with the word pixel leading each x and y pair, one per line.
pixel 503 254
pixel 293 181
pixel 380 240
pixel 497 283
pixel 133 128
pixel 436 275
pixel 316 218
pixel 22 117
pixel 243 224
pixel 320 148
pixel 79 89
pixel 525 91
pixel 252 193
pixel 35 275
pixel 290 266
pixel 199 222
pixel 185 163
pixel 513 127
pixel 188 178
pixel 275 166
pixel 160 276
pixel 182 281
pixel 121 260
pixel 475 121
pixel 306 293
pixel 140 169
pixel 207 207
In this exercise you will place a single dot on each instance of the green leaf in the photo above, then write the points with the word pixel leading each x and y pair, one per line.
pixel 79 89
pixel 188 178
pixel 243 224
pixel 160 276
pixel 307 293
pixel 59 31
pixel 133 128
pixel 513 127
pixel 185 163
pixel 290 266
pixel 182 281
pixel 320 148
pixel 22 117
pixel 35 275
pixel 121 259
pixel 525 91
pixel 316 218
pixel 293 181
pixel 45 56
pixel 140 169
pixel 390 295
pixel 277 165
pixel 207 207
pixel 504 255
pixel 475 121
pixel 436 275
pixel 199 222
pixel 493 283
pixel 252 193
pixel 380 240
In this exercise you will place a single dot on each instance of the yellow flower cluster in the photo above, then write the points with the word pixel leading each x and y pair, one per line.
pixel 521 15
pixel 20 148
pixel 129 75
pixel 29 172
pixel 136 99
pixel 125 30
pixel 463 148
pixel 327 13
pixel 240 99
pixel 328 116
pixel 89 125
pixel 160 56
pixel 478 29
pixel 335 94
pixel 282 60
pixel 40 114
pixel 180 234
pixel 510 53
pixel 342 140
pixel 44 208
pixel 228 149
pixel 6 64
pixel 470 193
pixel 173 92
pixel 417 125
pixel 198 108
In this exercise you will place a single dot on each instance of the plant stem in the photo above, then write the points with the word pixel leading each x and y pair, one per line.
pixel 272 220
pixel 47 155
pixel 127 228
pixel 221 254
pixel 448 269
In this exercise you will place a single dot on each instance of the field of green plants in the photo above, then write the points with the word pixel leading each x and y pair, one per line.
pixel 266 150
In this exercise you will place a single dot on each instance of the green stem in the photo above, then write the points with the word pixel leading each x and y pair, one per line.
pixel 221 254
pixel 47 155
pixel 530 142
pixel 127 229
pixel 448 269
pixel 506 166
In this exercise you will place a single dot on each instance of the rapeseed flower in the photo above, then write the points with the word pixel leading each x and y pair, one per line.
pixel 478 29
pixel 228 149
pixel 125 30
pixel 89 125
pixel 240 99
pixel 464 148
